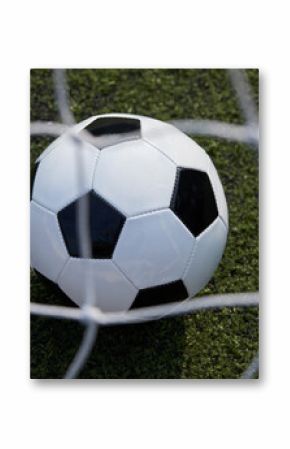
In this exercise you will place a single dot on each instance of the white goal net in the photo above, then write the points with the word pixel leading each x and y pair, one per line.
pixel 90 316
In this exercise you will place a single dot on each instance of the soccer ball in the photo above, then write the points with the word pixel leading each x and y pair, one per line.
pixel 158 217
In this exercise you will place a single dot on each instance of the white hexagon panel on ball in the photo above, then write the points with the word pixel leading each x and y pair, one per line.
pixel 65 173
pixel 99 282
pixel 47 249
pixel 153 249
pixel 135 177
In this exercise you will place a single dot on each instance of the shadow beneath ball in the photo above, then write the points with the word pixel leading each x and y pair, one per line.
pixel 151 350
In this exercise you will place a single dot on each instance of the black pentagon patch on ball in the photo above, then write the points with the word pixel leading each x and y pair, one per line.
pixel 193 200
pixel 105 223
pixel 32 177
pixel 113 130
pixel 162 294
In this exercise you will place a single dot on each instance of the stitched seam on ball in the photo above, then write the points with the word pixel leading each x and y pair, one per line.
pixel 38 203
pixel 206 231
pixel 191 256
pixel 109 202
pixel 41 206
pixel 108 147
pixel 54 145
pixel 182 224
pixel 72 200
pixel 95 167
pixel 102 197
pixel 149 212
pixel 88 189
pixel 125 275
pixel 158 149
pixel 62 270
pixel 224 223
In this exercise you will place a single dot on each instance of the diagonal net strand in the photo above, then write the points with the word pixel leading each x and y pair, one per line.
pixel 84 351
pixel 252 369
pixel 213 128
pixel 243 91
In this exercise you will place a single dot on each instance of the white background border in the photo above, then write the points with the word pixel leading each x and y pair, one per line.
pixel 171 414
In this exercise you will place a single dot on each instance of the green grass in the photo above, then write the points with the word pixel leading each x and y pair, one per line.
pixel 212 344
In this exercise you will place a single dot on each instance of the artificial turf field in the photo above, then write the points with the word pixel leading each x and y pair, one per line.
pixel 206 345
